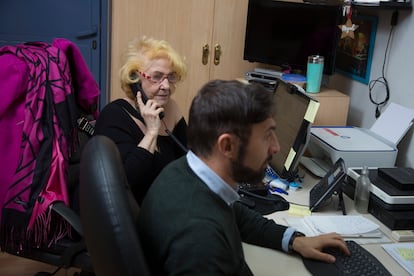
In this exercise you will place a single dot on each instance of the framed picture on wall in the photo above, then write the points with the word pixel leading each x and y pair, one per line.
pixel 354 52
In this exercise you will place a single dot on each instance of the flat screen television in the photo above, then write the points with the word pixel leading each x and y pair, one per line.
pixel 286 33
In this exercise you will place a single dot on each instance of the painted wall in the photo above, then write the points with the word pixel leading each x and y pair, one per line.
pixel 399 72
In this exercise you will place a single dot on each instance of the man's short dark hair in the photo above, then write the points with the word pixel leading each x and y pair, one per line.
pixel 226 107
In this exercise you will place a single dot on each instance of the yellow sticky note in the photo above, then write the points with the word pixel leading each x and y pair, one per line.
pixel 298 210
pixel 311 111
pixel 406 253
pixel 290 158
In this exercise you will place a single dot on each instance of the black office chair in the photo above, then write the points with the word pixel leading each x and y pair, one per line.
pixel 69 251
pixel 109 211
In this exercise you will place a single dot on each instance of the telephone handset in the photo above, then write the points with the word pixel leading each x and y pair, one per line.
pixel 135 87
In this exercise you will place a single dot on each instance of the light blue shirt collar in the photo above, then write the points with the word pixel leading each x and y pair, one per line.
pixel 211 179
pixel 224 190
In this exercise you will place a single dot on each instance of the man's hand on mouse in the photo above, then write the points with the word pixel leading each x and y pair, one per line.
pixel 311 247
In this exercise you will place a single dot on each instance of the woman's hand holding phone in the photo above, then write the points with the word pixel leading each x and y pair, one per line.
pixel 137 87
pixel 150 112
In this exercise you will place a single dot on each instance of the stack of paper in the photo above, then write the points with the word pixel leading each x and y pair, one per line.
pixel 346 226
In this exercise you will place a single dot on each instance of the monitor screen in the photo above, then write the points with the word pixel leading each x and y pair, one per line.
pixel 286 33
pixel 294 114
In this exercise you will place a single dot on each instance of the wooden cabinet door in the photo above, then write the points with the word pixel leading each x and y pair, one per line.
pixel 229 32
pixel 188 25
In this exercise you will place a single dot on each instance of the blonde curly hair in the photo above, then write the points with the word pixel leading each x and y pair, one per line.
pixel 140 52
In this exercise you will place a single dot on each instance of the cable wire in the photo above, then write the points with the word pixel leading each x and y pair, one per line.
pixel 381 80
pixel 173 137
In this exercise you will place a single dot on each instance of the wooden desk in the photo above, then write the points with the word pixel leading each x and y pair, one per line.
pixel 263 261
pixel 333 109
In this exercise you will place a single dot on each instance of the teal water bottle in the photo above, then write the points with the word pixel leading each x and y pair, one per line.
pixel 314 73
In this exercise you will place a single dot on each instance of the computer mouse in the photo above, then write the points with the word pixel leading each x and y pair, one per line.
pixel 278 183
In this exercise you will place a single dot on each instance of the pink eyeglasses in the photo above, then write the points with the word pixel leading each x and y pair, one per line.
pixel 158 77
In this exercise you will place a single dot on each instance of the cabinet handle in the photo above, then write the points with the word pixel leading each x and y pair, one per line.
pixel 204 57
pixel 217 54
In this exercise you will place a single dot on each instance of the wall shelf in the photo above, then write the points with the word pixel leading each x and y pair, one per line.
pixel 405 5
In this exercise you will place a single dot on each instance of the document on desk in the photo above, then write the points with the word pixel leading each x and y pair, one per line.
pixel 403 253
pixel 346 226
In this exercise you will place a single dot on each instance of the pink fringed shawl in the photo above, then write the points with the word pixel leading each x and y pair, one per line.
pixel 48 131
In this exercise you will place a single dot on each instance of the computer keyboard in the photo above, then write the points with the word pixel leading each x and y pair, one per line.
pixel 360 262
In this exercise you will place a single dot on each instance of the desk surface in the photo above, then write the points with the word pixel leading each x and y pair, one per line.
pixel 263 261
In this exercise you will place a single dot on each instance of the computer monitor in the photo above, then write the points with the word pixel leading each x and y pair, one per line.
pixel 285 33
pixel 294 114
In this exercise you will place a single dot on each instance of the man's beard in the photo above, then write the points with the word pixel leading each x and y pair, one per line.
pixel 244 174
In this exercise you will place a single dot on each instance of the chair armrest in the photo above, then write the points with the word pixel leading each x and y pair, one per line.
pixel 69 215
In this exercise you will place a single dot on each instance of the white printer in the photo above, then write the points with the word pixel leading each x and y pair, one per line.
pixel 358 147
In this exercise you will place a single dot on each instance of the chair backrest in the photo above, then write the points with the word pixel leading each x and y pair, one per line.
pixel 109 211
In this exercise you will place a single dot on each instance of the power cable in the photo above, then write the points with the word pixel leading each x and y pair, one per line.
pixel 382 80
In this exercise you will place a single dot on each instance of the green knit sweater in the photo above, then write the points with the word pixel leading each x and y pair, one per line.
pixel 185 228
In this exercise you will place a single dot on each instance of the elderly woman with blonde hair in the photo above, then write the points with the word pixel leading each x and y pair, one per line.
pixel 146 125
